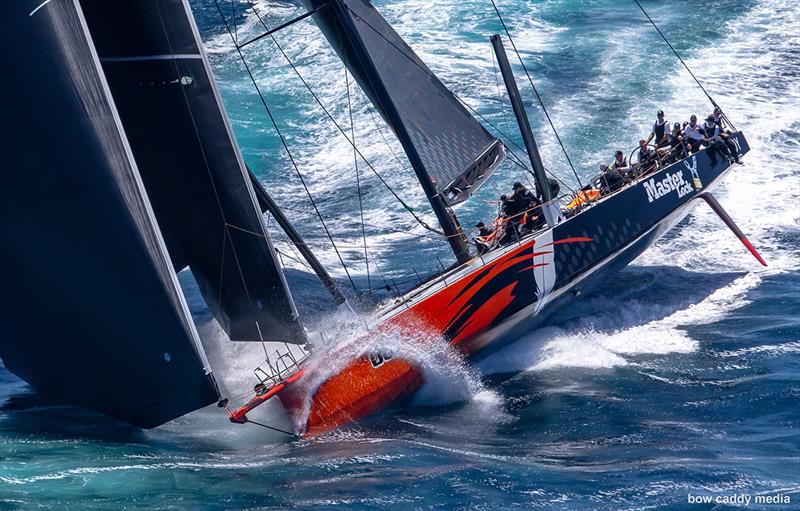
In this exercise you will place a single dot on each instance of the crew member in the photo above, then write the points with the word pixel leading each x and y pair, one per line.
pixel 647 158
pixel 555 188
pixel 524 202
pixel 510 214
pixel 725 135
pixel 718 142
pixel 660 131
pixel 694 135
pixel 483 241
pixel 717 115
pixel 611 179
pixel 483 230
pixel 620 162
pixel 677 148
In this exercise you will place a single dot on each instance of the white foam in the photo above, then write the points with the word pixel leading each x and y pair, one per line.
pixel 590 343
pixel 447 379
pixel 761 97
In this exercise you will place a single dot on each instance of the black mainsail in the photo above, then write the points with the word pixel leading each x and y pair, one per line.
pixel 91 307
pixel 191 166
pixel 449 150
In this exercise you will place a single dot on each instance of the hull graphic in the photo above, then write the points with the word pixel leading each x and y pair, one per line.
pixel 488 302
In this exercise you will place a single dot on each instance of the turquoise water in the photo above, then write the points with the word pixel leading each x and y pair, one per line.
pixel 678 378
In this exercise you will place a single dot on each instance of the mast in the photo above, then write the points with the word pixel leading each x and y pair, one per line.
pixel 266 203
pixel 542 186
pixel 440 205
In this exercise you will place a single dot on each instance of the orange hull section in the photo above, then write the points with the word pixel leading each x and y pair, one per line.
pixel 460 312
pixel 359 390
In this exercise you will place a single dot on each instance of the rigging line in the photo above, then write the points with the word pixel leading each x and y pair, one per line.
pixel 358 177
pixel 280 27
pixel 288 242
pixel 378 227
pixel 279 430
pixel 430 74
pixel 341 130
pixel 235 27
pixel 286 147
pixel 380 271
pixel 226 232
pixel 538 97
pixel 242 229
pixel 375 263
pixel 283 237
pixel 487 121
pixel 383 229
pixel 292 258
pixel 222 263
pixel 682 62
pixel 386 141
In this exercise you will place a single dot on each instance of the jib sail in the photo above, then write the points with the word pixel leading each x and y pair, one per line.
pixel 90 305
pixel 190 164
pixel 456 151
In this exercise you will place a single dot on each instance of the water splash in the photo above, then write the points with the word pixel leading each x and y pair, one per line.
pixel 597 342
pixel 447 378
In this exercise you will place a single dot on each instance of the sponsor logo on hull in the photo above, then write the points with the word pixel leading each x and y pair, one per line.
pixel 671 182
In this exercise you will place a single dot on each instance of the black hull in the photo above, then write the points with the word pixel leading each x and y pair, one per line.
pixel 483 305
pixel 632 225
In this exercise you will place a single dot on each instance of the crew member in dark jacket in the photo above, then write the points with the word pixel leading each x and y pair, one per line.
pixel 483 230
pixel 525 202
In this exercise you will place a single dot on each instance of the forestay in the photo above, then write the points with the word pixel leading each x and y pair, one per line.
pixel 190 163
pixel 456 151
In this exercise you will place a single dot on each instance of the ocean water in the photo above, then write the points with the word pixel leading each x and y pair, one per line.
pixel 679 378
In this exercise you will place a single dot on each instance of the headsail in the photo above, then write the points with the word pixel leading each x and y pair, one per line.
pixel 457 152
pixel 90 308
pixel 190 164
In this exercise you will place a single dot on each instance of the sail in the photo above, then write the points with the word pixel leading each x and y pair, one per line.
pixel 457 152
pixel 90 305
pixel 190 164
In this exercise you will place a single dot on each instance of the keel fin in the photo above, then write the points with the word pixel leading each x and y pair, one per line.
pixel 717 207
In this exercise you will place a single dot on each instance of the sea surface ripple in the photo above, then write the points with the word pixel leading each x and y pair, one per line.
pixel 680 377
